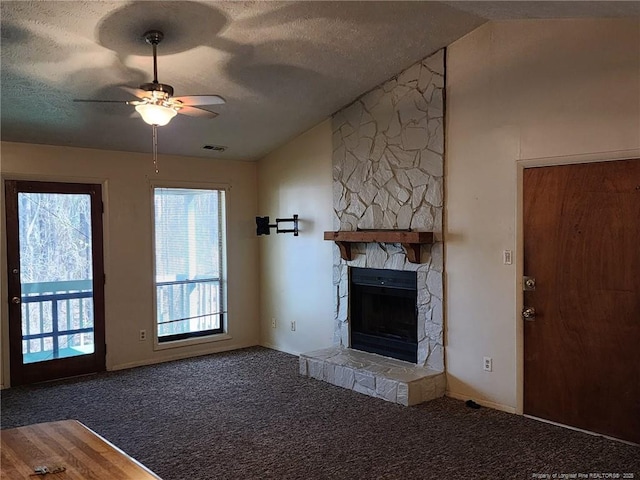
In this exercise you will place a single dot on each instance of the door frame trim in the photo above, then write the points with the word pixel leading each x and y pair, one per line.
pixel 5 375
pixel 521 164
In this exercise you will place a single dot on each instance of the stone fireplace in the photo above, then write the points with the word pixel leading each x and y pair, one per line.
pixel 388 151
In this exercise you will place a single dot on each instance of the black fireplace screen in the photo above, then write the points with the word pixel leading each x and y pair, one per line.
pixel 383 312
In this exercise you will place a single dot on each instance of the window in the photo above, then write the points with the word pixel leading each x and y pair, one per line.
pixel 189 259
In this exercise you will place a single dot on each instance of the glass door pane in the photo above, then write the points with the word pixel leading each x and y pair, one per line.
pixel 56 275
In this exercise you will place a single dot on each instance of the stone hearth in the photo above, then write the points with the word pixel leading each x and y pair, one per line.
pixel 381 377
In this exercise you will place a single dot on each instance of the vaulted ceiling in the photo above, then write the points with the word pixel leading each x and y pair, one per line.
pixel 281 66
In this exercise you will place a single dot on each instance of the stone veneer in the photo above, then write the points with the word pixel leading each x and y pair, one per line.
pixel 388 151
pixel 381 377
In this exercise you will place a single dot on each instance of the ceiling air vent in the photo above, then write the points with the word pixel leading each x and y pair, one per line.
pixel 215 148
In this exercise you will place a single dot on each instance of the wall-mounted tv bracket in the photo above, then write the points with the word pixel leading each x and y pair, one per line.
pixel 263 227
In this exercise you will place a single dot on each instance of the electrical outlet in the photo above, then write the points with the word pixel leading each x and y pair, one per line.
pixel 143 335
pixel 507 257
pixel 487 364
pixel 293 325
pixel 273 323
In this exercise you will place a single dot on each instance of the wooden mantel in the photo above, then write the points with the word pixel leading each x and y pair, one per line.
pixel 410 241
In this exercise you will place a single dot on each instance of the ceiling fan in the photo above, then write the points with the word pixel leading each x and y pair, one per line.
pixel 156 103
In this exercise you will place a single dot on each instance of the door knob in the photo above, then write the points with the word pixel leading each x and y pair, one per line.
pixel 16 300
pixel 529 313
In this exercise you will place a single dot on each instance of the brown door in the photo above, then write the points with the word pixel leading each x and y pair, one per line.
pixel 56 280
pixel 582 246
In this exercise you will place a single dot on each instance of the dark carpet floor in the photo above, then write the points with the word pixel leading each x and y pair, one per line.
pixel 249 415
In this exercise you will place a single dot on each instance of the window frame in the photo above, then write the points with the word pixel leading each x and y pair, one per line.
pixel 196 337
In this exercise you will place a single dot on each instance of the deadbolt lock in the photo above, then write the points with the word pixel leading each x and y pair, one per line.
pixel 528 284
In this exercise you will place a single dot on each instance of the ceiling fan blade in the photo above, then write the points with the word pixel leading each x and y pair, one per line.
pixel 192 100
pixel 197 112
pixel 136 92
pixel 126 102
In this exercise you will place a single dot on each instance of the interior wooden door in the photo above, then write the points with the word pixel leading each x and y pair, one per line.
pixel 55 280
pixel 582 246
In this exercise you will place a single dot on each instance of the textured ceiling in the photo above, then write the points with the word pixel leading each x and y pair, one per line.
pixel 282 66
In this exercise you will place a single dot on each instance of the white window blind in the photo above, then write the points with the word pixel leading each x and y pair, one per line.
pixel 189 246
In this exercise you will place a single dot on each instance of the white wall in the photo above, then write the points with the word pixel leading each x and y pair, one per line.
pixel 296 272
pixel 520 93
pixel 128 240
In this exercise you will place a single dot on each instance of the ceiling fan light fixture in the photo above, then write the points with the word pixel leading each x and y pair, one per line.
pixel 158 115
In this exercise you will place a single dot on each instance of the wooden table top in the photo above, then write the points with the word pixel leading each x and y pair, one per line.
pixel 67 443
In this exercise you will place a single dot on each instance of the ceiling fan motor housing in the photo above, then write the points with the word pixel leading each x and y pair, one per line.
pixel 157 87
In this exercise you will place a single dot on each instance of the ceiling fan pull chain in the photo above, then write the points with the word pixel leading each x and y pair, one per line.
pixel 155 147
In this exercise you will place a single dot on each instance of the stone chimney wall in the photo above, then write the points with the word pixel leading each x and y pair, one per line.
pixel 388 149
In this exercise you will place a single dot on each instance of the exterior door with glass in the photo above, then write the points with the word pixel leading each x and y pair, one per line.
pixel 55 280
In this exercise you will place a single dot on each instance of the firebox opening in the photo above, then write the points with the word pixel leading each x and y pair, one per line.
pixel 383 312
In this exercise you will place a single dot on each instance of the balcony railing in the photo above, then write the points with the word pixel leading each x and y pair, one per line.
pixel 188 307
pixel 57 320
pixel 57 317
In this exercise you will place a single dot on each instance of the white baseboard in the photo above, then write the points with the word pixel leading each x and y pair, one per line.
pixel 484 403
pixel 280 349
pixel 178 356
